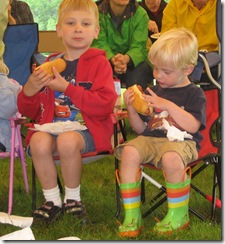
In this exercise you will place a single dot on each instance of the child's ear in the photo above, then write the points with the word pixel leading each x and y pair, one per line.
pixel 189 69
pixel 58 30
pixel 97 30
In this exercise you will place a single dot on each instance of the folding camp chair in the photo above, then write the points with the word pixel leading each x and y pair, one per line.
pixel 21 41
pixel 209 154
pixel 117 117
pixel 117 121
pixel 16 150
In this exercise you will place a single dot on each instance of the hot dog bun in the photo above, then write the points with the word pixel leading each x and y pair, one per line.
pixel 139 104
pixel 59 64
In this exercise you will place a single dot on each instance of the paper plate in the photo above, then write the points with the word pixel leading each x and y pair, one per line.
pixel 155 36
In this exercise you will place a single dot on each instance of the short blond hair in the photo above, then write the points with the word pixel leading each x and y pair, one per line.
pixel 3 68
pixel 178 47
pixel 85 5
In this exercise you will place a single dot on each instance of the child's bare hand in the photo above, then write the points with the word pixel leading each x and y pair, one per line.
pixel 128 96
pixel 37 80
pixel 58 83
pixel 155 101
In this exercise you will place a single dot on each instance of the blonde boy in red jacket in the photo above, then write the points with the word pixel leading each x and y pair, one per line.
pixel 86 87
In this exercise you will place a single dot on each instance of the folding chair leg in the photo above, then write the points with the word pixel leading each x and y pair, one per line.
pixel 16 134
pixel 118 203
pixel 12 157
pixel 196 214
pixel 216 183
pixel 143 190
pixel 161 201
pixel 34 194
pixel 22 159
pixel 216 179
pixel 60 185
pixel 218 169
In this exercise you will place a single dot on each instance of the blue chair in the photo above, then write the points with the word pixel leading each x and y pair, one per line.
pixel 21 41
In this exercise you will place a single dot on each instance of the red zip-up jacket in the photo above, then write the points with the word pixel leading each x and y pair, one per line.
pixel 95 104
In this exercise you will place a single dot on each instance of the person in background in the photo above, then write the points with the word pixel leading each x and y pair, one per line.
pixel 3 24
pixel 154 9
pixel 182 104
pixel 123 35
pixel 85 86
pixel 11 20
pixel 9 90
pixel 20 13
pixel 199 16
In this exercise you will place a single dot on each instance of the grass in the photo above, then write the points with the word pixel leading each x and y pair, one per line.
pixel 98 194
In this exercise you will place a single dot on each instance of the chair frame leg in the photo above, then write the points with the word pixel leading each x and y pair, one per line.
pixel 34 193
pixel 12 157
pixel 118 197
pixel 16 134
pixel 22 159
pixel 118 204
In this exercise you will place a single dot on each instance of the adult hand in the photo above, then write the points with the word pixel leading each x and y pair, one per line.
pixel 120 62
pixel 152 26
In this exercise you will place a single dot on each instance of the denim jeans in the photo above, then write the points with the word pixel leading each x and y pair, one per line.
pixel 141 75
pixel 197 72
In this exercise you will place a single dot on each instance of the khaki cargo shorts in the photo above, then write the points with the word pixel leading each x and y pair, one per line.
pixel 151 149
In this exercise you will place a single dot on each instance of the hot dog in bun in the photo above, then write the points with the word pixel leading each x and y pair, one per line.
pixel 59 64
pixel 139 104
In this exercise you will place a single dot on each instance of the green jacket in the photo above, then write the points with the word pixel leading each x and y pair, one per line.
pixel 128 37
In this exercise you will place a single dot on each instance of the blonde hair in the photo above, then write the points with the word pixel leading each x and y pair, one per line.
pixel 85 5
pixel 177 47
pixel 3 68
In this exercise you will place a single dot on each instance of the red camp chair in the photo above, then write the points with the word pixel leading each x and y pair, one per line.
pixel 208 155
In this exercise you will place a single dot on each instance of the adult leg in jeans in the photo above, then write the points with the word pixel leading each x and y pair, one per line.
pixel 141 75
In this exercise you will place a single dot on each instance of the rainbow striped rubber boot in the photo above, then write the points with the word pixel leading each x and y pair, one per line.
pixel 177 216
pixel 132 224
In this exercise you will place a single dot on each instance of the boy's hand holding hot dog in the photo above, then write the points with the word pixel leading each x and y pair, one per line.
pixel 42 76
pixel 139 103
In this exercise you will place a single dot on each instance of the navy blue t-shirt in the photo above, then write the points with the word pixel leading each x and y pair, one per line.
pixel 191 98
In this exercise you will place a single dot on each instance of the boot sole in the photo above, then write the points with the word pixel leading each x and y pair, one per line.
pixel 132 233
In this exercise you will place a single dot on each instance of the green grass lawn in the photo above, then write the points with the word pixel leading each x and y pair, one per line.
pixel 98 194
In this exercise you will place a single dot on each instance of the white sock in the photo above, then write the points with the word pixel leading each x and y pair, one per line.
pixel 72 193
pixel 53 195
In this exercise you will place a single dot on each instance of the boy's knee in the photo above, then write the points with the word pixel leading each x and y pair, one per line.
pixel 130 152
pixel 172 161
